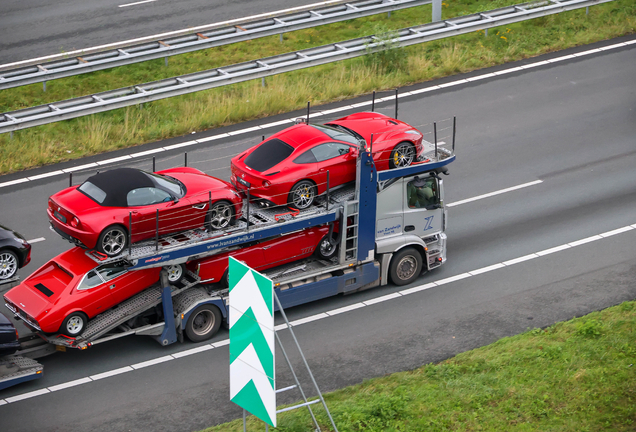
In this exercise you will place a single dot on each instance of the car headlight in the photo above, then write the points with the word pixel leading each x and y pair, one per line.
pixel 21 241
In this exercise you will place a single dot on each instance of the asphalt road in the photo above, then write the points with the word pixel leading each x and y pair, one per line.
pixel 571 125
pixel 35 28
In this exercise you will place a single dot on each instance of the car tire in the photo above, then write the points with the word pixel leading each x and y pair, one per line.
pixel 9 264
pixel 406 266
pixel 74 324
pixel 302 195
pixel 402 155
pixel 113 240
pixel 327 247
pixel 176 273
pixel 203 323
pixel 220 215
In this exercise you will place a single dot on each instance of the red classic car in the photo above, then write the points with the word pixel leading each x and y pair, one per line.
pixel 291 166
pixel 270 253
pixel 63 294
pixel 96 213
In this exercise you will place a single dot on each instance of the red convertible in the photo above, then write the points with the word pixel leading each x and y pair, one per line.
pixel 95 214
pixel 63 294
pixel 291 166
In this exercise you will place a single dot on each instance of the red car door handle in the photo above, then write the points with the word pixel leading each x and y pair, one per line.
pixel 112 286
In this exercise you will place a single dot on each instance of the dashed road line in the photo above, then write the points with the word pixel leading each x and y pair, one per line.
pixel 323 315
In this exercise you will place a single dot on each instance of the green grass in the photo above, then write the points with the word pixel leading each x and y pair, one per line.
pixel 576 376
pixel 176 116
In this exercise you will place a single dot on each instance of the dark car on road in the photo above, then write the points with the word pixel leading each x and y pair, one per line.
pixel 8 337
pixel 15 253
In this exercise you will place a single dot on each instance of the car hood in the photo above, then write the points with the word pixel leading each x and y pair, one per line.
pixel 197 184
pixel 365 124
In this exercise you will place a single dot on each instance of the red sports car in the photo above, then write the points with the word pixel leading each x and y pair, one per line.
pixel 291 166
pixel 270 253
pixel 95 214
pixel 63 294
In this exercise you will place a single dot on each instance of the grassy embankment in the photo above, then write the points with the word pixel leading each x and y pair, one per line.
pixel 574 376
pixel 217 107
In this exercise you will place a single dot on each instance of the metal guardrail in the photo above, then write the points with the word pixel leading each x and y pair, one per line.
pixel 198 40
pixel 222 76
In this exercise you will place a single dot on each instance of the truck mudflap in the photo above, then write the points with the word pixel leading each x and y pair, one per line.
pixel 17 369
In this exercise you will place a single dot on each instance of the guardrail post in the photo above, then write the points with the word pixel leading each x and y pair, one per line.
pixel 157 231
pixel 263 82
pixel 437 10
pixel 166 61
pixel 44 86
pixel 11 135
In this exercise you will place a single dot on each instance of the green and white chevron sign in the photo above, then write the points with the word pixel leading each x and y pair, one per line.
pixel 252 367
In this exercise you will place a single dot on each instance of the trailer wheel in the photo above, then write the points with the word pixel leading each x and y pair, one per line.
pixel 327 247
pixel 406 266
pixel 175 273
pixel 402 155
pixel 113 240
pixel 74 324
pixel 203 323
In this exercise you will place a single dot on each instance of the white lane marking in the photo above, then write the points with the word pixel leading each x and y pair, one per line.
pixel 381 299
pixel 520 259
pixel 486 269
pixel 136 3
pixel 111 373
pixel 553 250
pixel 152 362
pixel 345 309
pixel 27 395
pixel 488 195
pixel 183 144
pixel 308 319
pixel 585 240
pixel 246 130
pixel 113 160
pixel 48 174
pixel 69 384
pixel 616 231
pixel 192 351
pixel 319 316
pixel 418 288
pixel 36 240
pixel 353 106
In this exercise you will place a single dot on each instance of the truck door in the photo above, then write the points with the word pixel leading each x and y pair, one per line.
pixel 423 212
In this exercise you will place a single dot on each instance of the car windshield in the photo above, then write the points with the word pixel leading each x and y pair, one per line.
pixel 93 192
pixel 169 184
pixel 268 154
pixel 339 133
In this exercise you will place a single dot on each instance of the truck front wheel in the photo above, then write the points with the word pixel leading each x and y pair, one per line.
pixel 203 323
pixel 406 266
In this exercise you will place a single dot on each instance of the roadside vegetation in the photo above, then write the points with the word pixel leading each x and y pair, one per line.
pixel 574 376
pixel 177 116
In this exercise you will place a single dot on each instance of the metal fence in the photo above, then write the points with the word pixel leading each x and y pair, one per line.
pixel 198 40
pixel 222 76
